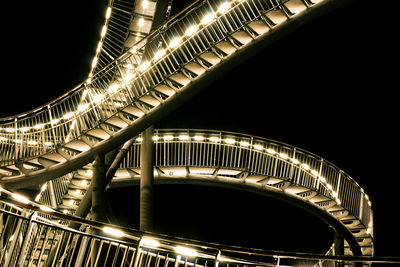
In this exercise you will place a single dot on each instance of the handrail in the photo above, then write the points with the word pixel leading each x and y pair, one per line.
pixel 99 73
pixel 207 249
pixel 324 172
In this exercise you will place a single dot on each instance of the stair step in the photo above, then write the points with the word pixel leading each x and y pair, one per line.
pixel 295 6
pixel 210 58
pixel 77 145
pixel 150 100
pixel 98 133
pixel 226 47
pixel 276 16
pixel 180 78
pixel 117 122
pixel 242 37
pixel 259 27
pixel 195 68
pixel 165 89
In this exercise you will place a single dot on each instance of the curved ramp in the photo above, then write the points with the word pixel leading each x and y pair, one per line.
pixel 257 165
pixel 138 88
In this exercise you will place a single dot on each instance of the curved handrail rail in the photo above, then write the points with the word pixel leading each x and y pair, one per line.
pixel 145 240
pixel 217 149
pixel 35 132
pixel 82 85
pixel 127 80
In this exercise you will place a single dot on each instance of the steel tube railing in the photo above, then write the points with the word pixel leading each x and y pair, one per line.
pixel 256 156
pixel 66 118
pixel 36 241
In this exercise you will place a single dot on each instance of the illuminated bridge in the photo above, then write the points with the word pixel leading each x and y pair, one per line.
pixel 100 135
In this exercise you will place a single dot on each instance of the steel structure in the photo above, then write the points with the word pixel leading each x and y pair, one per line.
pixel 142 70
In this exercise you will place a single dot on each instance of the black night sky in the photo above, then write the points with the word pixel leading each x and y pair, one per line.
pixel 328 88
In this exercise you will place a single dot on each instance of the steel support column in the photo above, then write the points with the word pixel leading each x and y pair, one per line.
pixel 146 180
pixel 99 189
pixel 338 247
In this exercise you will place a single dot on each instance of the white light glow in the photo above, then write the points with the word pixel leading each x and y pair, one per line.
pixel 55 121
pixel 129 77
pixel 149 242
pixel 322 179
pixel 38 126
pixel 214 139
pixel 68 116
pixel 10 130
pixel 156 138
pixel 108 12
pixel 271 151
pixel 314 172
pixel 98 98
pixel 175 42
pixel 295 161
pixel 168 137
pixel 283 155
pixel 145 4
pixel 94 62
pixel 191 30
pixel 83 107
pixel 186 251
pixel 141 22
pixel 103 31
pixel 198 138
pixel 305 166
pixel 229 141
pixel 160 53
pixel 144 66
pixel 33 143
pixel 99 45
pixel 45 208
pixel 24 129
pixel 44 186
pixel 224 7
pixel 48 143
pixel 258 147
pixel 183 137
pixel 113 231
pixel 20 198
pixel 207 18
pixel 244 143
pixel 113 88
pixel 139 139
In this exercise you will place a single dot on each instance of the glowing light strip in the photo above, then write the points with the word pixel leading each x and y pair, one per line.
pixel 259 147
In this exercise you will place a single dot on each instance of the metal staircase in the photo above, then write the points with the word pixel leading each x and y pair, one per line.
pixel 135 83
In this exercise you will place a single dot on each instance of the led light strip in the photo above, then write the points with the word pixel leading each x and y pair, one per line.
pixel 257 147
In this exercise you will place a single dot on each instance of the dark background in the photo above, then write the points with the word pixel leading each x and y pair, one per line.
pixel 328 88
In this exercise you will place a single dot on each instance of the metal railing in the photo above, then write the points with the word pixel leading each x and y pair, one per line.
pixel 128 78
pixel 29 239
pixel 251 155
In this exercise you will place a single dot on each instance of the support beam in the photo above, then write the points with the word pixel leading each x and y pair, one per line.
pixel 338 247
pixel 147 181
pixel 99 189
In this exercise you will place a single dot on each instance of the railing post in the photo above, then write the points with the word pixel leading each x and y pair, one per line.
pixel 15 139
pixel 13 243
pixel 25 242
